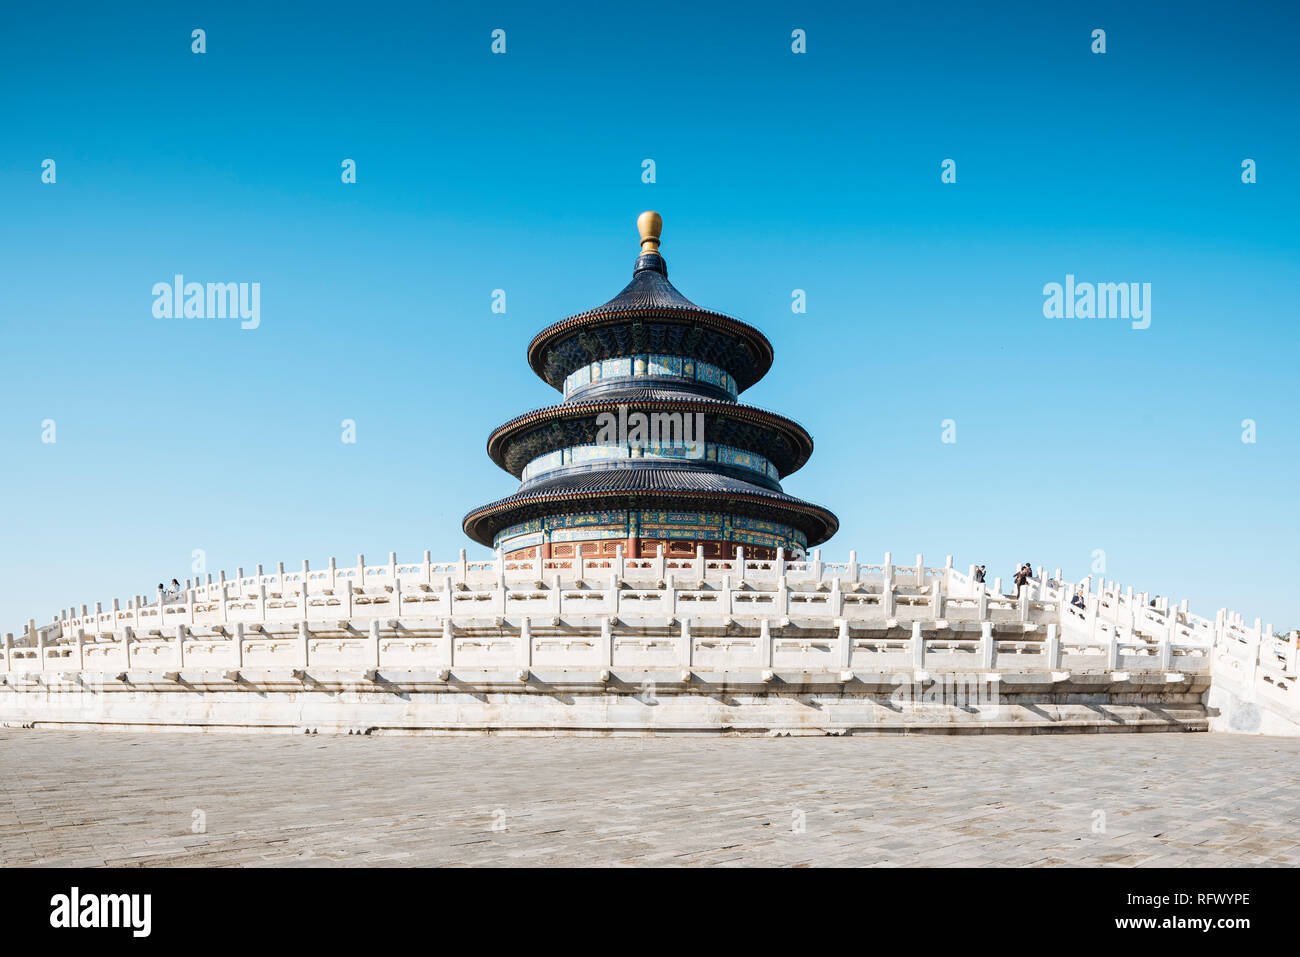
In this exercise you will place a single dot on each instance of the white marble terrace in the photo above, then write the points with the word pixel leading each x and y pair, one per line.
pixel 708 619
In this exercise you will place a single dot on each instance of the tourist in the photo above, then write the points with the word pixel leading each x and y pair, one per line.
pixel 1021 579
pixel 1077 601
pixel 979 574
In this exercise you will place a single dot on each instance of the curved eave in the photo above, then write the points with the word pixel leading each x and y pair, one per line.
pixel 817 523
pixel 795 433
pixel 743 331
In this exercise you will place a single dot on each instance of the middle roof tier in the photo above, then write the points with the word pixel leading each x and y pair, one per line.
pixel 727 425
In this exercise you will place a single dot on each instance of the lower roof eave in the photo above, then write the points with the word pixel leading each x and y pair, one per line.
pixel 817 523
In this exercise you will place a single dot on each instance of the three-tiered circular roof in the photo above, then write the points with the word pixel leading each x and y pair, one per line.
pixel 663 356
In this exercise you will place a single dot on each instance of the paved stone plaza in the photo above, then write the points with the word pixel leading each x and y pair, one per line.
pixel 95 798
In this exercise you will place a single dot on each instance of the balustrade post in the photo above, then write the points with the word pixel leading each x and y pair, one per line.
pixel 40 650
pixel 372 643
pixel 81 649
pixel 1166 652
pixel 304 644
pixel 1053 649
pixel 448 643
pixel 537 565
pixel 659 562
pixel 1292 653
pixel 837 598
pixel 606 642
pixel 525 643
pixel 988 648
pixel 887 570
pixel 189 606
pixel 780 561
pixel 1024 602
pixel 619 570
pixel 392 565
pixel 347 598
pixel 817 565
pixel 397 595
pixel 764 643
pixel 239 645
pixel 555 594
pixel 918 647
pixel 699 564
pixel 740 563
pixel 853 566
pixel 1112 651
pixel 261 603
pixel 180 647
pixel 360 576
pixel 687 647
pixel 614 597
pixel 782 594
pixel 426 570
pixel 936 599
pixel 845 643
pixel 9 652
pixel 920 571
pixel 127 635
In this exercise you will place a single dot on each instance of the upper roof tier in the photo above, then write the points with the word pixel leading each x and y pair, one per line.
pixel 650 317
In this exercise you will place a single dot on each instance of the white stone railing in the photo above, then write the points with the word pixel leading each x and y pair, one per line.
pixel 628 612
pixel 492 573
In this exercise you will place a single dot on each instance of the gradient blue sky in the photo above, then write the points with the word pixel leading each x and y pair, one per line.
pixel 523 172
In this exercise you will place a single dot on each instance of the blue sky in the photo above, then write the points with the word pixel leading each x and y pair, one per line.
pixel 775 171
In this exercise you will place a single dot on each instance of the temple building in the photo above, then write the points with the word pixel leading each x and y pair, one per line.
pixel 650 446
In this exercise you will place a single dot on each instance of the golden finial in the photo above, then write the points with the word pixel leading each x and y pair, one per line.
pixel 650 224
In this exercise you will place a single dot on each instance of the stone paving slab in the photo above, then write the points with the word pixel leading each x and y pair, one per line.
pixel 88 799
